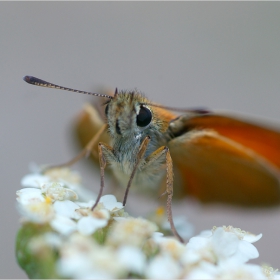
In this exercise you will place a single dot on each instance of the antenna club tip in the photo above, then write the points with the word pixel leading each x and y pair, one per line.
pixel 27 79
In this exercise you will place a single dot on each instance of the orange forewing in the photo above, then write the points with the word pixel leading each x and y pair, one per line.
pixel 262 140
pixel 214 168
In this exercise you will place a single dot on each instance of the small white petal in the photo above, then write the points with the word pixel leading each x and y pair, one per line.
pixel 157 236
pixel 110 202
pixel 225 244
pixel 191 257
pixel 197 242
pixel 131 231
pixel 132 258
pixel 229 246
pixel 172 246
pixel 29 195
pixel 74 266
pixel 241 271
pixel 249 237
pixel 246 251
pixel 88 225
pixel 37 212
pixel 66 208
pixel 204 270
pixel 88 204
pixel 63 225
pixel 108 198
pixel 163 267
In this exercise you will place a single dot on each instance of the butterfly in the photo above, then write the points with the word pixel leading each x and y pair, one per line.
pixel 210 156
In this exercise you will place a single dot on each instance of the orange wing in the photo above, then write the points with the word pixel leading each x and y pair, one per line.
pixel 262 140
pixel 222 159
pixel 88 123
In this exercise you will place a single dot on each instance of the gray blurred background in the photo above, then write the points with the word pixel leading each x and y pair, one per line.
pixel 220 55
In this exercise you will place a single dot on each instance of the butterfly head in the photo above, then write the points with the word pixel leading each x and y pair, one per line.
pixel 127 115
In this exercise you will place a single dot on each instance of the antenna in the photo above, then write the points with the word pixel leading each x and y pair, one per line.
pixel 38 82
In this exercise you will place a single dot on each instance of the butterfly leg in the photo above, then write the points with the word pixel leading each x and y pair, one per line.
pixel 157 156
pixel 84 153
pixel 161 155
pixel 103 149
pixel 106 154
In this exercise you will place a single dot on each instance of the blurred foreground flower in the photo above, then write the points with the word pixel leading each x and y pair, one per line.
pixel 61 237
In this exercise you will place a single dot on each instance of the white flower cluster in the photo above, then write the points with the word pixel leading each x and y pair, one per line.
pixel 108 243
pixel 50 199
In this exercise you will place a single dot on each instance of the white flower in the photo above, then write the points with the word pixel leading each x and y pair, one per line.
pixel 86 205
pixel 34 180
pixel 229 245
pixel 29 195
pixel 170 245
pixel 242 234
pixel 132 258
pixel 131 231
pixel 157 236
pixel 110 203
pixel 37 204
pixel 223 244
pixel 204 270
pixel 66 208
pixel 199 249
pixel 163 267
pixel 88 225
pixel 63 225
pixel 39 243
pixel 34 206
pixel 270 273
pixel 54 189
pixel 67 183
pixel 71 180
pixel 241 271
pixel 104 260
pixel 90 221
pixel 74 261
pixel 82 258
pixel 57 192
pixel 125 247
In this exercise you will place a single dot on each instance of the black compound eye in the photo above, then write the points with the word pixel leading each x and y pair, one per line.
pixel 144 117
